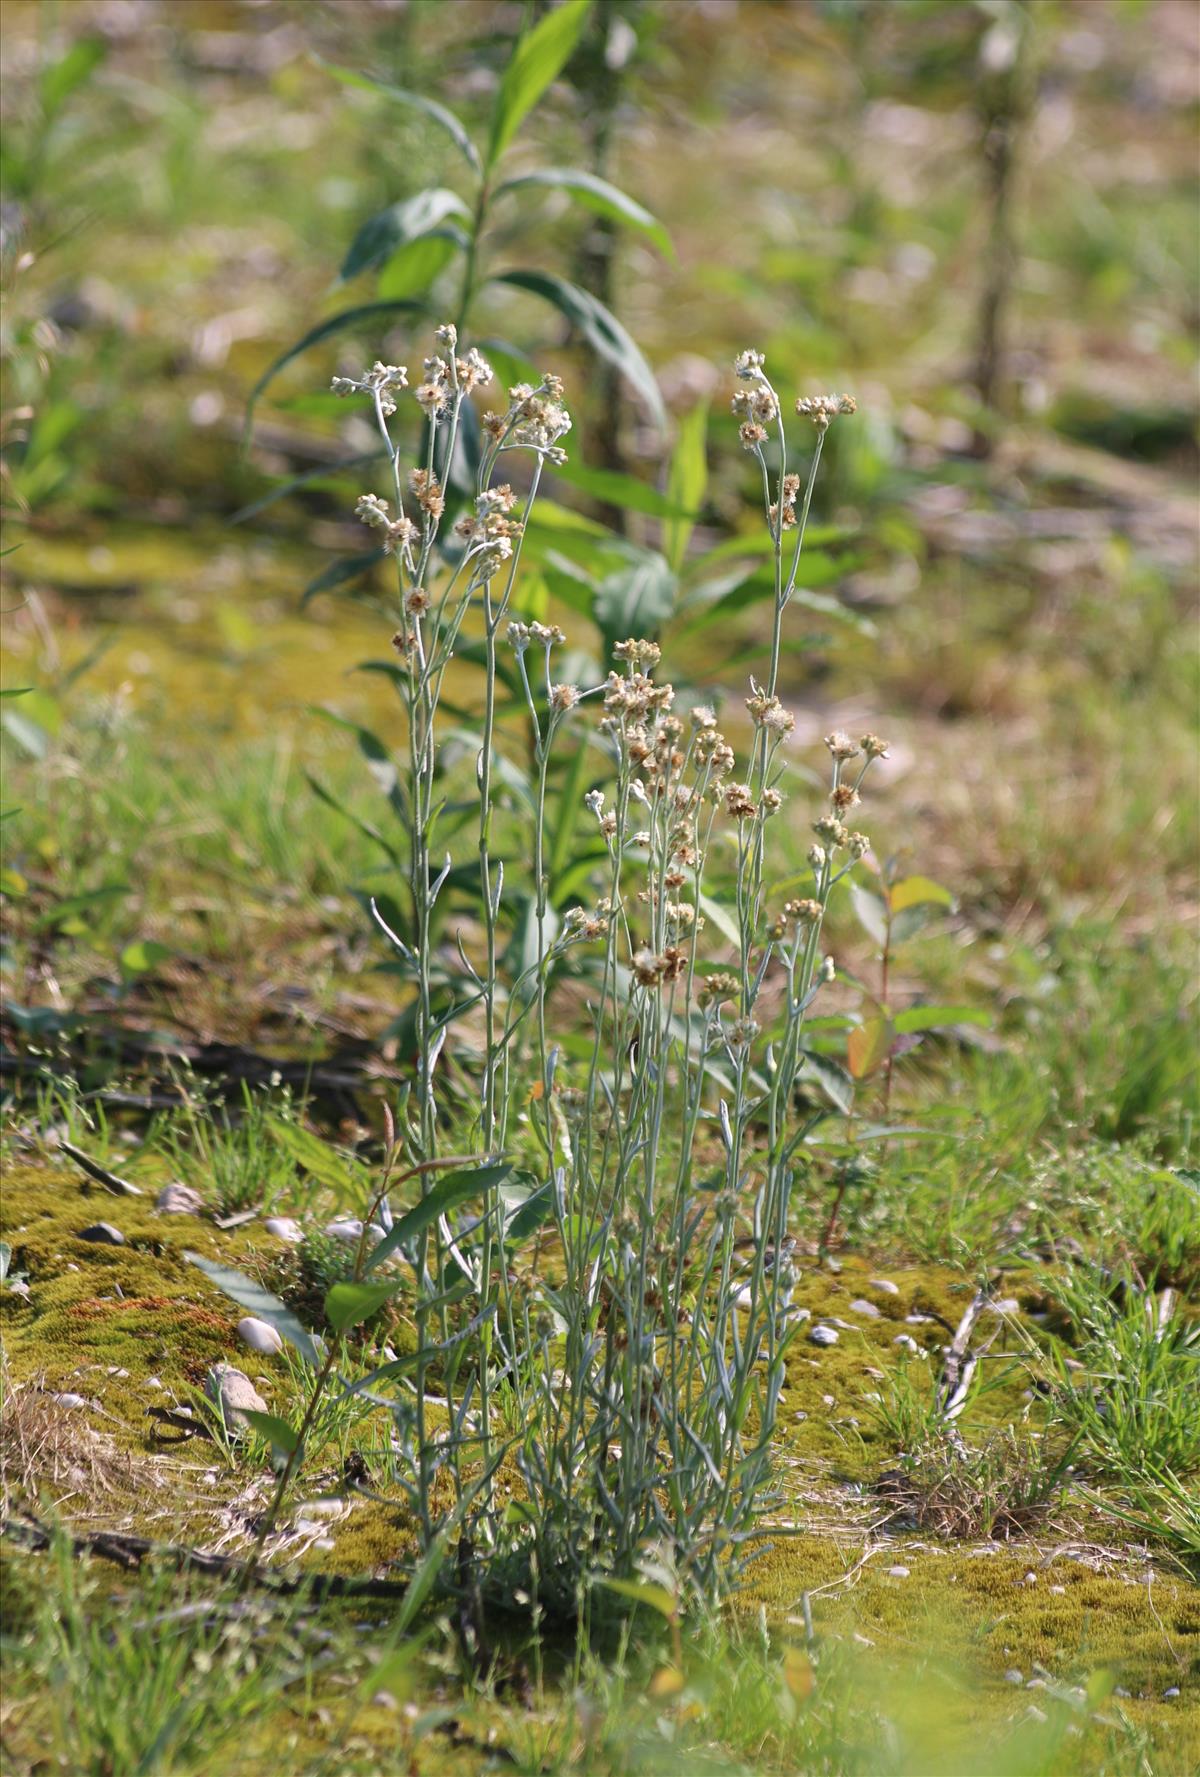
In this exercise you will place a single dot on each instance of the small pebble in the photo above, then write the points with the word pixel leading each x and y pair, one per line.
pixel 1120 1691
pixel 384 1700
pixel 70 1400
pixel 1031 1579
pixel 860 1306
pixel 115 1370
pixel 103 1233
pixel 1033 1713
pixel 885 1285
pixel 349 1229
pixel 1006 1305
pixel 259 1335
pixel 1059 1591
pixel 918 1320
pixel 153 1382
pixel 823 1336
pixel 1172 1690
pixel 898 1573
pixel 233 1391
pixel 284 1228
pixel 179 1200
pixel 322 1508
pixel 1013 1676
pixel 1036 1684
pixel 906 1342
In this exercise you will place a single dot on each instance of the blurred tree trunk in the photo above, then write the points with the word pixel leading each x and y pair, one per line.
pixel 1003 98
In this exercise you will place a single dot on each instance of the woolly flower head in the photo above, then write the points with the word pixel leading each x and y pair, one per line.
pixel 821 409
pixel 748 365
pixel 378 382
pixel 536 419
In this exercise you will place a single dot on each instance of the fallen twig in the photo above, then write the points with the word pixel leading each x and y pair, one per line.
pixel 130 1551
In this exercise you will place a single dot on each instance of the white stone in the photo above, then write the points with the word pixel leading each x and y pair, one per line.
pixel 179 1200
pixel 861 1306
pixel 284 1228
pixel 886 1285
pixel 898 1573
pixel 233 1392
pixel 823 1336
pixel 259 1335
pixel 70 1400
pixel 906 1342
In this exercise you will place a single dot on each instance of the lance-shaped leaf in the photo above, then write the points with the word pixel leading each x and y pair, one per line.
pixel 342 572
pixel 867 1046
pixel 597 195
pixel 598 325
pixel 455 1189
pixel 412 268
pixel 872 914
pixel 261 1303
pixel 367 311
pixel 686 482
pixel 918 891
pixel 349 1304
pixel 380 235
pixel 939 1017
pixel 539 56
pixel 402 95
pixel 278 1433
pixel 636 600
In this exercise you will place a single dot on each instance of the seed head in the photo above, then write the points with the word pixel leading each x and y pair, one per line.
pixel 840 745
pixel 873 747
pixel 821 409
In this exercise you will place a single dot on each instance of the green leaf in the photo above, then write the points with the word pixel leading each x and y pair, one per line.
pixel 412 269
pixel 686 482
pixel 261 1303
pixel 938 1017
pixel 341 572
pixel 447 1194
pixel 401 222
pixel 365 827
pixel 917 891
pixel 636 600
pixel 328 475
pixel 29 736
pixel 615 489
pixel 831 1077
pixel 60 80
pixel 867 1046
pixel 871 912
pixel 440 114
pixel 721 918
pixel 599 327
pixel 646 1592
pixel 329 1167
pixel 349 1304
pixel 278 1433
pixel 325 330
pixel 143 955
pixel 539 56
pixel 524 1215
pixel 597 195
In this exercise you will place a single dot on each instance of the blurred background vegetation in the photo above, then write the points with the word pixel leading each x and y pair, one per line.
pixel 980 218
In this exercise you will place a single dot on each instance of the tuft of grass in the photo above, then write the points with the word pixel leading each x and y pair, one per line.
pixel 1123 1384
